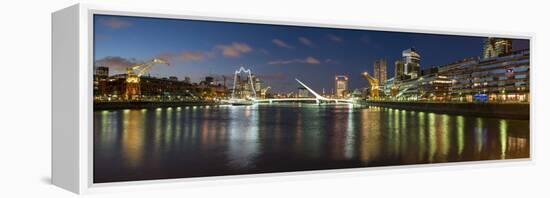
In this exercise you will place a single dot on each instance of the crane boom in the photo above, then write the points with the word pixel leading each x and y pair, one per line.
pixel 133 89
pixel 374 93
pixel 144 67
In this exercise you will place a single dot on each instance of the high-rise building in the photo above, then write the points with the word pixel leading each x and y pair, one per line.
pixel 102 72
pixel 380 72
pixel 341 86
pixel 257 83
pixel 399 70
pixel 504 78
pixel 495 47
pixel 101 75
pixel 409 66
pixel 411 59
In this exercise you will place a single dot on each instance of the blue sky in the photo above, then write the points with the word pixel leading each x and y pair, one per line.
pixel 276 53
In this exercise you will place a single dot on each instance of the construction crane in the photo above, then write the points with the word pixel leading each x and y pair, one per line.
pixel 133 89
pixel 374 91
pixel 144 67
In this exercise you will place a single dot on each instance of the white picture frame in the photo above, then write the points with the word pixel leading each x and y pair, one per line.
pixel 72 120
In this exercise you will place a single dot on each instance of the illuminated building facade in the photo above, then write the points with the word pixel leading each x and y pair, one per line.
pixel 411 61
pixel 257 85
pixel 460 74
pixel 502 79
pixel 114 88
pixel 399 73
pixel 494 47
pixel 380 71
pixel 499 79
pixel 101 74
pixel 341 86
pixel 409 66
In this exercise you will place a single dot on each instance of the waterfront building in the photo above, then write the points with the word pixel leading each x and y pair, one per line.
pixel 163 88
pixel 499 79
pixel 409 66
pixel 380 71
pixel 434 87
pixel 430 87
pixel 502 75
pixel 101 72
pixel 411 60
pixel 460 74
pixel 406 90
pixel 341 86
pixel 257 85
pixel 494 47
pixel 114 88
pixel 399 73
pixel 389 88
pixel 502 79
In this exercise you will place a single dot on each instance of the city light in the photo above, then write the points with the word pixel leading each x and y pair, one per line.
pixel 245 106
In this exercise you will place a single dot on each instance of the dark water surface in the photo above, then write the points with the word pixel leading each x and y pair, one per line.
pixel 227 140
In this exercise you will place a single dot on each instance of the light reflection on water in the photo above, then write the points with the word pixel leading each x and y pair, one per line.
pixel 224 140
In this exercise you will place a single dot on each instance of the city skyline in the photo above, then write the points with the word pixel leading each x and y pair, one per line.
pixel 277 54
pixel 299 98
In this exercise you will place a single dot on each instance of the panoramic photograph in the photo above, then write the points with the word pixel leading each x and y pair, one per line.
pixel 180 98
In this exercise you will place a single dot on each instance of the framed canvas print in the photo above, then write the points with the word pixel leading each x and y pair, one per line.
pixel 140 96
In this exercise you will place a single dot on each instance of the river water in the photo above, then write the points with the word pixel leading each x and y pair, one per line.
pixel 198 141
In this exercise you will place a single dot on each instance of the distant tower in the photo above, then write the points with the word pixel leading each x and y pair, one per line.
pixel 411 60
pixel 100 80
pixel 102 72
pixel 341 85
pixel 257 84
pixel 399 72
pixel 380 72
pixel 494 47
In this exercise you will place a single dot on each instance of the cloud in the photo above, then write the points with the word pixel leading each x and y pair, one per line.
pixel 308 60
pixel 184 56
pixel 191 56
pixel 115 23
pixel 282 44
pixel 117 63
pixel 234 49
pixel 335 38
pixel 311 60
pixel 305 41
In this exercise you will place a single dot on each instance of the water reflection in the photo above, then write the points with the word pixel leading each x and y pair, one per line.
pixel 225 140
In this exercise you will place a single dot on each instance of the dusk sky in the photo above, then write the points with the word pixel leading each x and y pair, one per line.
pixel 277 54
